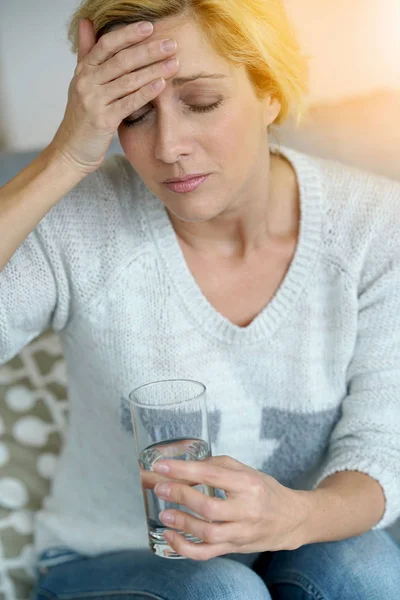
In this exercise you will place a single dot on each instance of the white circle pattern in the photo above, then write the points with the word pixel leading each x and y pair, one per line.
pixel 13 493
pixel 20 399
pixel 22 522
pixel 46 465
pixel 31 431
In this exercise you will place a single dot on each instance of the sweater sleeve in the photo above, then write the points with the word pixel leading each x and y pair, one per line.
pixel 64 262
pixel 367 436
pixel 30 300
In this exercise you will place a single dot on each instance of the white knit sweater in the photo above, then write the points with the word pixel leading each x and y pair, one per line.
pixel 310 387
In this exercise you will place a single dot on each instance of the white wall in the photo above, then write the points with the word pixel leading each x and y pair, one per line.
pixel 36 67
pixel 354 47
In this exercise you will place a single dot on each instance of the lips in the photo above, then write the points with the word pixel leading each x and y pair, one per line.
pixel 182 187
pixel 186 178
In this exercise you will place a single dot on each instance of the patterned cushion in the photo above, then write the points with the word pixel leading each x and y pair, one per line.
pixel 33 422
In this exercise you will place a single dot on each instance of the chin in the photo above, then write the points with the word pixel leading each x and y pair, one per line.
pixel 193 207
pixel 194 214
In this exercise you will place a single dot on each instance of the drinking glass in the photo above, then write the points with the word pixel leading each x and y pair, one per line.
pixel 169 422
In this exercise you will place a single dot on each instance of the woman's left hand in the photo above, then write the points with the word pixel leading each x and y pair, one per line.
pixel 258 515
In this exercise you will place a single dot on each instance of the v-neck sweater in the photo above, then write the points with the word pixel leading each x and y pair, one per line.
pixel 309 388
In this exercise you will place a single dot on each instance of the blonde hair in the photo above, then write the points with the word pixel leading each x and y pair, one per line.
pixel 256 34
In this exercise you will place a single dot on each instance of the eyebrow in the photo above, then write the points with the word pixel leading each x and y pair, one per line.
pixel 178 81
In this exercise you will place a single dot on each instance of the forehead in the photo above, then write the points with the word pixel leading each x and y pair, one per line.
pixel 194 50
pixel 183 30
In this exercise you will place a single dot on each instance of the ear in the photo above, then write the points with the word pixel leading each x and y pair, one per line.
pixel 272 108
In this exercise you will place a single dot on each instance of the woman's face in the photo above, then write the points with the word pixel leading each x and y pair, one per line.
pixel 229 141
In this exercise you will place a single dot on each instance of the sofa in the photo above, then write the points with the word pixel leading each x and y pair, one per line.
pixel 33 385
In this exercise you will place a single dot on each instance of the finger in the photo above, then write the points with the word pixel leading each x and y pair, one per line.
pixel 114 41
pixel 205 471
pixel 227 461
pixel 86 38
pixel 131 59
pixel 132 82
pixel 212 533
pixel 196 551
pixel 208 507
pixel 121 109
pixel 151 479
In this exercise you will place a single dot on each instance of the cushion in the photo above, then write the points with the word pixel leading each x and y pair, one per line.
pixel 34 415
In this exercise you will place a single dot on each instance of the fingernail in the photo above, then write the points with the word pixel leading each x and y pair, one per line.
pixel 145 27
pixel 162 489
pixel 166 517
pixel 161 468
pixel 168 45
pixel 169 536
pixel 158 84
pixel 171 64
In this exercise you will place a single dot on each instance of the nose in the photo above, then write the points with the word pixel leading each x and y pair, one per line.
pixel 172 139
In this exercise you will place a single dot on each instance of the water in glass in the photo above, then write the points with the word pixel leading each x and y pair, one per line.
pixel 176 449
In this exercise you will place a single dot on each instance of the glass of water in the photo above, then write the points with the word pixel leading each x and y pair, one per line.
pixel 170 422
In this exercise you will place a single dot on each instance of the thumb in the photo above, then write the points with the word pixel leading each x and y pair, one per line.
pixel 86 38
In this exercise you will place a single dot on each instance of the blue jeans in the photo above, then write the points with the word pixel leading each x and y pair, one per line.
pixel 361 568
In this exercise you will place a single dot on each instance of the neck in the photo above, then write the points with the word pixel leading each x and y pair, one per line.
pixel 269 214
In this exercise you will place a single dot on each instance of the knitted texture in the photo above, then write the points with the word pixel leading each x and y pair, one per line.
pixel 309 388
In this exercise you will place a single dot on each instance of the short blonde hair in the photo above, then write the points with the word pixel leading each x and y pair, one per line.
pixel 256 34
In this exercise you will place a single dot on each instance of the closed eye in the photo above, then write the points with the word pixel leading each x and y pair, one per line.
pixel 192 107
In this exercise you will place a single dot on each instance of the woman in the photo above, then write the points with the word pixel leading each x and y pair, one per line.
pixel 271 276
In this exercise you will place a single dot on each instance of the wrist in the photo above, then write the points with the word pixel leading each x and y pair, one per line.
pixel 314 510
pixel 57 158
pixel 302 505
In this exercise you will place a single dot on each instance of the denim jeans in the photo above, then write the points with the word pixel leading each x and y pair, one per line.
pixel 360 568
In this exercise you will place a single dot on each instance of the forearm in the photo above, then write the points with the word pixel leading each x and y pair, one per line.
pixel 346 504
pixel 26 198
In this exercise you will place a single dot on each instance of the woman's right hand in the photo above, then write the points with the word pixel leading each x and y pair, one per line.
pixel 113 78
